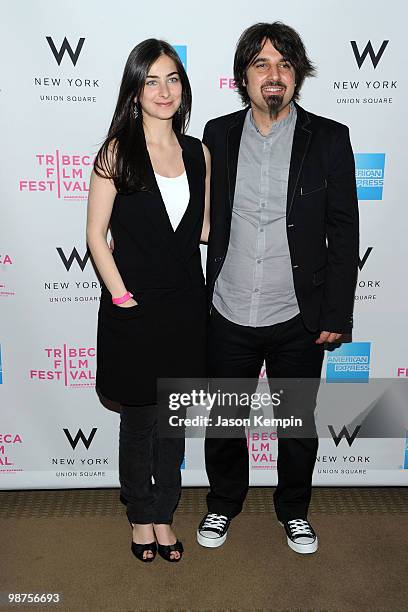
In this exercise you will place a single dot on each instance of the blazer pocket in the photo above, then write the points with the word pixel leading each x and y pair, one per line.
pixel 119 312
pixel 307 190
pixel 319 276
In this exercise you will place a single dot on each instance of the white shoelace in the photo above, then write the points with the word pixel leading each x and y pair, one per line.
pixel 215 521
pixel 300 527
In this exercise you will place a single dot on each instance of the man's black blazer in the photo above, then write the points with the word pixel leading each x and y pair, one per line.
pixel 322 214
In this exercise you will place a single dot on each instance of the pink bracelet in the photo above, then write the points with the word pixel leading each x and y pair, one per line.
pixel 124 298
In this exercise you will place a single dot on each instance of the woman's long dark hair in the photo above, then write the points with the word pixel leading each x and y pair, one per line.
pixel 285 40
pixel 123 157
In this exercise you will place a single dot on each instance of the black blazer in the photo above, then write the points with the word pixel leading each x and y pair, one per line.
pixel 164 334
pixel 322 214
pixel 148 253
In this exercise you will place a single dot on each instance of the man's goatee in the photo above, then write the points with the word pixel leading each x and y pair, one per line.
pixel 274 104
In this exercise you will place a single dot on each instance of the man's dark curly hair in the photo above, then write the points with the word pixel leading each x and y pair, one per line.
pixel 285 40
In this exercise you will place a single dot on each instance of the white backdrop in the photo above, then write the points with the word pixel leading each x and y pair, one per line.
pixel 56 105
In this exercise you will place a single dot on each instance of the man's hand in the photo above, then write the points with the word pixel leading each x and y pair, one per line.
pixel 326 336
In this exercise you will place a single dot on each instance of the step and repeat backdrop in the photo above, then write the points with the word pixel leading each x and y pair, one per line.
pixel 61 69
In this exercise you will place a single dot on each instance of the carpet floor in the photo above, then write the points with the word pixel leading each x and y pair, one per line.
pixel 84 555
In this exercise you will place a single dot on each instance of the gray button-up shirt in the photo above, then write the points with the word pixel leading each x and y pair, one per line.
pixel 255 286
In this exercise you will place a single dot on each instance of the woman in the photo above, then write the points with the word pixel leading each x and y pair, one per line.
pixel 149 186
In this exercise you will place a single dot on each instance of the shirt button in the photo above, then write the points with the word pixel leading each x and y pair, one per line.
pixel 259 261
pixel 256 290
pixel 261 229
pixel 263 204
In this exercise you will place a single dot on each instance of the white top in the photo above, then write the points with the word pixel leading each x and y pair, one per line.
pixel 176 196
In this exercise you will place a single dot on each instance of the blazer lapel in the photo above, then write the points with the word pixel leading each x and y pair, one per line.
pixel 301 140
pixel 233 141
pixel 193 213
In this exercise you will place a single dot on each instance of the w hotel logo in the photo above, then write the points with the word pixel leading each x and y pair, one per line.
pixel 368 50
pixel 73 440
pixel 370 175
pixel 65 47
pixel 74 255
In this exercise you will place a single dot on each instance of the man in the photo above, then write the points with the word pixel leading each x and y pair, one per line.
pixel 281 266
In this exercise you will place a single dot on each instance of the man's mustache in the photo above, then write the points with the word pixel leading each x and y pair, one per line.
pixel 273 84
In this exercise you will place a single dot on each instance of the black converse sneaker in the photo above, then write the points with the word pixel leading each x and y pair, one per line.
pixel 301 536
pixel 212 531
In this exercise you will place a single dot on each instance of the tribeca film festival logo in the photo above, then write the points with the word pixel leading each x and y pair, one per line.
pixel 77 290
pixel 74 366
pixel 64 175
pixel 262 449
pixel 8 442
pixel 349 363
pixel 226 82
pixel 368 87
pixel 88 466
pixel 366 287
pixel 5 268
pixel 370 175
pixel 72 88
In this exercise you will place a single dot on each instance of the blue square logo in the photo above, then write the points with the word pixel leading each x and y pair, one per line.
pixel 181 51
pixel 349 363
pixel 370 175
pixel 183 465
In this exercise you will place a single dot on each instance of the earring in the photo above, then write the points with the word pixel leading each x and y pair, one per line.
pixel 135 111
pixel 179 110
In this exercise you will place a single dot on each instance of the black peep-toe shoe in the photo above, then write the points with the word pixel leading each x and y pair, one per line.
pixel 139 549
pixel 165 551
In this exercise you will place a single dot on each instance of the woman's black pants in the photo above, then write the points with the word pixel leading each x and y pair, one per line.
pixel 149 466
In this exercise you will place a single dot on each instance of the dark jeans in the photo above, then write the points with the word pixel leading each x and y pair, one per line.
pixel 289 350
pixel 143 454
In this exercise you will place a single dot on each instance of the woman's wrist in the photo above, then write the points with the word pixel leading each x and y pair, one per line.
pixel 117 300
pixel 129 304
